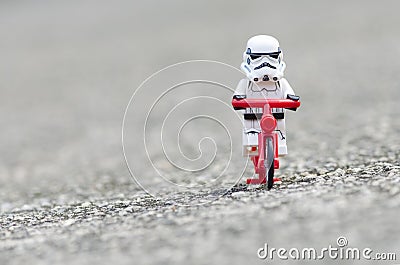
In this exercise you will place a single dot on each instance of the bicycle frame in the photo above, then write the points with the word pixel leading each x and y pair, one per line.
pixel 265 158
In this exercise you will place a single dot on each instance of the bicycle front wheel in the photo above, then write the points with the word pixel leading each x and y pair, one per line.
pixel 270 162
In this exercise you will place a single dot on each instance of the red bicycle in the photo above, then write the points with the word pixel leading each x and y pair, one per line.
pixel 267 159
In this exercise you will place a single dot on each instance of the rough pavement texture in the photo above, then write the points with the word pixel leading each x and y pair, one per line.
pixel 68 69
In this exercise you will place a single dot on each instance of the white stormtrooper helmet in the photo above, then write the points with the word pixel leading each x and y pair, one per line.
pixel 262 60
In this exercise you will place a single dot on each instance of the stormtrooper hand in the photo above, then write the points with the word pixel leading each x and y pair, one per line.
pixel 238 97
pixel 294 98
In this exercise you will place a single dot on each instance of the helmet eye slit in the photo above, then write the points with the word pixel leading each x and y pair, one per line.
pixel 274 55
pixel 254 57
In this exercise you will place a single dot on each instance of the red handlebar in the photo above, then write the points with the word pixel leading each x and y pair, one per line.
pixel 260 103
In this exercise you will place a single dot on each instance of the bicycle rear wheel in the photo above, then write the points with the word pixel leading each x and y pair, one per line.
pixel 270 180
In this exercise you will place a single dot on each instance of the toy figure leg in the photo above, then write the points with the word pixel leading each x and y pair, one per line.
pixel 251 129
pixel 281 130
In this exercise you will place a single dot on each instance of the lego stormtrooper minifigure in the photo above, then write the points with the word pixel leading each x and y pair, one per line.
pixel 264 67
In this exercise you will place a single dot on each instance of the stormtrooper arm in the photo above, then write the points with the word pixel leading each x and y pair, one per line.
pixel 289 92
pixel 287 89
pixel 240 92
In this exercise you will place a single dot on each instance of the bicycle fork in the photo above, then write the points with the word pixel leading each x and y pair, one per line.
pixel 267 153
pixel 268 150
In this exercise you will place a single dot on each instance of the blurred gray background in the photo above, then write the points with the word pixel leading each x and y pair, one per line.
pixel 68 69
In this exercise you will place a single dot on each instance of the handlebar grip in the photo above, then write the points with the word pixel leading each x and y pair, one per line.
pixel 239 97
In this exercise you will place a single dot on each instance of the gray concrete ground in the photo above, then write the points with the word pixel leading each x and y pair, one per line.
pixel 68 69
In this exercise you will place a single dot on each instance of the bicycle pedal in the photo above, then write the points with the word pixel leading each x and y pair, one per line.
pixel 277 179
